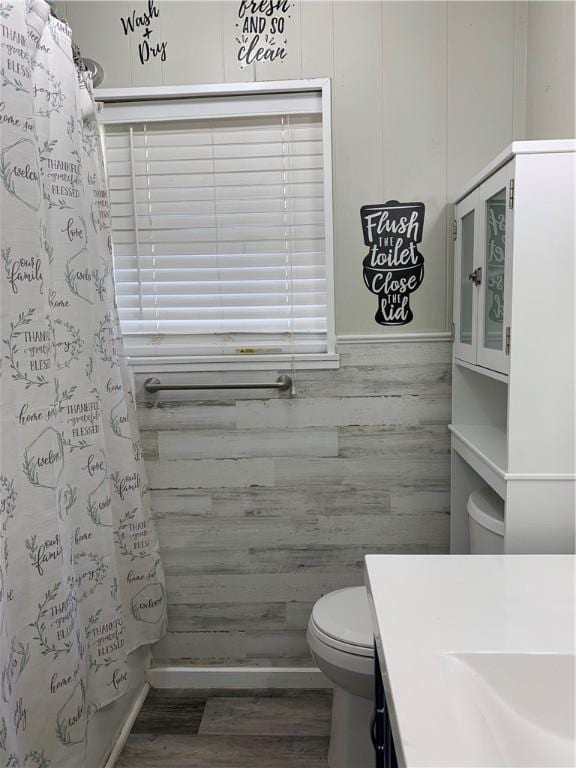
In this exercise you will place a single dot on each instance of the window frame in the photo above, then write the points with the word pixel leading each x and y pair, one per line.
pixel 328 359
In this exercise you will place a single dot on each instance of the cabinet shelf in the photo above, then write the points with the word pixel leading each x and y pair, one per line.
pixel 484 448
pixel 482 370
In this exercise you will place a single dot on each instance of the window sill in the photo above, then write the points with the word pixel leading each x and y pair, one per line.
pixel 145 365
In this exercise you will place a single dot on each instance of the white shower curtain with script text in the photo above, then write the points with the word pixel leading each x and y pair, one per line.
pixel 81 584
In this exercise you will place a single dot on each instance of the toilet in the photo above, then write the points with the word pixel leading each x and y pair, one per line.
pixel 486 522
pixel 341 640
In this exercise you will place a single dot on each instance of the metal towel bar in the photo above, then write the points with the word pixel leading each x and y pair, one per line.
pixel 282 383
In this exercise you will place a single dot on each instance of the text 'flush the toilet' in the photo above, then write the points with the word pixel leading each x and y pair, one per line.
pixel 394 267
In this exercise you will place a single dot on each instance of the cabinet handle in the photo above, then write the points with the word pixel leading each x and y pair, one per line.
pixel 476 276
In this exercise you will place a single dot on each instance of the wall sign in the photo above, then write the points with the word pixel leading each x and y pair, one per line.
pixel 143 24
pixel 261 30
pixel 394 267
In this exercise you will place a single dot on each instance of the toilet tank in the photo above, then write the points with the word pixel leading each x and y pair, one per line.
pixel 486 522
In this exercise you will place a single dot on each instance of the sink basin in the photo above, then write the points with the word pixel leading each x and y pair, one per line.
pixel 513 709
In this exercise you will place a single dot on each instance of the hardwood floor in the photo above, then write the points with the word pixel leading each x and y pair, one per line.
pixel 230 729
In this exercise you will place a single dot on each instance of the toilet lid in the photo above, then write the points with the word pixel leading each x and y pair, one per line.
pixel 344 616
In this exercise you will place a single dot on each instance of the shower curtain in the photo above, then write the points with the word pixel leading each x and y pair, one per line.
pixel 81 583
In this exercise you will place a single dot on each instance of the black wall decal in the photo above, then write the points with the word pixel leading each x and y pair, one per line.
pixel 261 30
pixel 141 24
pixel 394 267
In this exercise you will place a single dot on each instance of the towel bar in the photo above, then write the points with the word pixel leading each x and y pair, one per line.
pixel 282 383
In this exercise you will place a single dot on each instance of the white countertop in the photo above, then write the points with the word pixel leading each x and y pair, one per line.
pixel 426 608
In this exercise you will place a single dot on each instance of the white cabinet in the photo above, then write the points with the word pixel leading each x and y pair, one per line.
pixel 513 388
pixel 483 229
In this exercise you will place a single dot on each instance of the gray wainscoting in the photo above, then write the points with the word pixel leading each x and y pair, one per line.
pixel 264 502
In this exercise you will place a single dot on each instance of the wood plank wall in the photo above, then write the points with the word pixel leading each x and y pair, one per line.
pixel 265 502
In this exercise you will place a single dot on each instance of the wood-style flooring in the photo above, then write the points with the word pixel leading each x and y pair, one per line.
pixel 230 729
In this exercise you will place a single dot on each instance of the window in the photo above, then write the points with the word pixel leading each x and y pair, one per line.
pixel 221 223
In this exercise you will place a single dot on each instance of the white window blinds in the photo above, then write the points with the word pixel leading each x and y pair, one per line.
pixel 218 229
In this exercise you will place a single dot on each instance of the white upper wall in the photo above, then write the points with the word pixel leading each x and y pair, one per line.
pixel 424 95
pixel 550 109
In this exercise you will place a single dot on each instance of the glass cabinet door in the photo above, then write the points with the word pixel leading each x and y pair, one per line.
pixel 465 294
pixel 495 256
pixel 466 285
pixel 493 309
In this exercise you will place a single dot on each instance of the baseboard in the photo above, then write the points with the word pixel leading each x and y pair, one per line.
pixel 237 677
pixel 124 730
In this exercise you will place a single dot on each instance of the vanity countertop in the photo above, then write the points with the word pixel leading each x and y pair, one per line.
pixel 436 617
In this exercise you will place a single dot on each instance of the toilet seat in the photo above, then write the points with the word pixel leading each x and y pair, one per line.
pixel 342 621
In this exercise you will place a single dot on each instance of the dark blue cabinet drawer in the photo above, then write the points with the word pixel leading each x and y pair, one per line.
pixel 381 732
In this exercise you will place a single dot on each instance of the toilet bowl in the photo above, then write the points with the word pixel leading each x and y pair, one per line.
pixel 340 638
